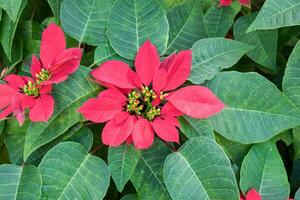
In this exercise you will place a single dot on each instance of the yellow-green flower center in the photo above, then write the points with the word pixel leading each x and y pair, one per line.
pixel 31 89
pixel 42 76
pixel 140 103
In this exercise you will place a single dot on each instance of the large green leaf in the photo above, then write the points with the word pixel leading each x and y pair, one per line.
pixel 12 8
pixel 291 81
pixel 130 197
pixel 219 19
pixel 296 143
pixel 122 161
pixel 275 14
pixel 131 22
pixel 264 170
pixel 18 183
pixel 211 55
pixel 85 20
pixel 69 172
pixel 15 144
pixel 255 109
pixel 55 7
pixel 200 170
pixel 234 150
pixel 297 195
pixel 8 29
pixel 68 96
pixel 186 26
pixel 264 41
pixel 192 127
pixel 148 175
pixel 2 123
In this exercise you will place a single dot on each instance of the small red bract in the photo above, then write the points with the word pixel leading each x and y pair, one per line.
pixel 34 93
pixel 229 2
pixel 139 104
pixel 251 195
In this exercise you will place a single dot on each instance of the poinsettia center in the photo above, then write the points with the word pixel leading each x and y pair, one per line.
pixel 31 89
pixel 42 76
pixel 141 103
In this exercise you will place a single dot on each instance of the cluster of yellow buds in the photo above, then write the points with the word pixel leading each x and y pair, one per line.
pixel 134 103
pixel 152 113
pixel 31 89
pixel 148 94
pixel 42 76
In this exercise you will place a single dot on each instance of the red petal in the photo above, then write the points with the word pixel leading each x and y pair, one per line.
pixel 165 130
pixel 116 73
pixel 225 2
pixel 172 120
pixel 28 102
pixel 196 101
pixel 160 80
pixel 53 43
pixel 35 66
pixel 115 134
pixel 65 64
pixel 19 112
pixel 15 81
pixel 100 109
pixel 169 109
pixel 120 117
pixel 168 62
pixel 180 70
pixel 147 62
pixel 245 2
pixel 45 89
pixel 142 134
pixel 115 95
pixel 7 95
pixel 253 195
pixel 42 109
pixel 5 112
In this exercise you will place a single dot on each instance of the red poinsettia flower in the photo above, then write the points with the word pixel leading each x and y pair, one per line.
pixel 57 62
pixel 251 195
pixel 229 2
pixel 134 112
pixel 21 92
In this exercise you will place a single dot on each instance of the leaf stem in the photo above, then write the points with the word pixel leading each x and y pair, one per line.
pixel 97 148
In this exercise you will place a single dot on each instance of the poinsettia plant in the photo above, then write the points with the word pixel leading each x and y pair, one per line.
pixel 156 99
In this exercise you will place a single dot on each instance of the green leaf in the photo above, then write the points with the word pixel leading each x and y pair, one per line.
pixel 275 14
pixel 192 127
pixel 148 175
pixel 130 197
pixel 55 7
pixel 131 22
pixel 212 55
pixel 200 170
pixel 291 81
pixel 186 26
pixel 105 52
pixel 234 150
pixel 264 170
pixel 85 20
pixel 68 96
pixel 2 123
pixel 296 143
pixel 255 109
pixel 8 29
pixel 264 41
pixel 12 8
pixel 18 183
pixel 219 19
pixel 69 172
pixel 122 161
pixel 297 195
pixel 15 144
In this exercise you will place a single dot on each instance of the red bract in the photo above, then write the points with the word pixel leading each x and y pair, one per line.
pixel 229 2
pixel 22 92
pixel 134 111
pixel 57 62
pixel 251 195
